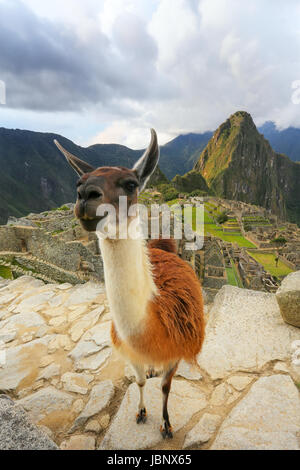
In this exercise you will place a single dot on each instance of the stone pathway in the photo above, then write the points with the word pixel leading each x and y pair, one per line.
pixel 56 363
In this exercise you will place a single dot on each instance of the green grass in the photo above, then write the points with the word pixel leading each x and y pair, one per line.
pixel 172 202
pixel 267 260
pixel 62 208
pixel 207 218
pixel 213 229
pixel 257 221
pixel 231 277
pixel 5 272
pixel 212 209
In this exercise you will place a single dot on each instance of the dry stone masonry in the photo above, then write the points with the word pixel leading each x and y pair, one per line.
pixel 65 388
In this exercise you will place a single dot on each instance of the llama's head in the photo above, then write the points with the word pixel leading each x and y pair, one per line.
pixel 103 186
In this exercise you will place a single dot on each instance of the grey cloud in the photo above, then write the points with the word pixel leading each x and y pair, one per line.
pixel 47 67
pixel 174 72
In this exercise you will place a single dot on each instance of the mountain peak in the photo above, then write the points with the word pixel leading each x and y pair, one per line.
pixel 238 163
pixel 218 153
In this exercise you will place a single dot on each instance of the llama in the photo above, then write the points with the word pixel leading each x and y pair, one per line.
pixel 154 296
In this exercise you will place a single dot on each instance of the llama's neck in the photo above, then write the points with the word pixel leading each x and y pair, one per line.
pixel 129 283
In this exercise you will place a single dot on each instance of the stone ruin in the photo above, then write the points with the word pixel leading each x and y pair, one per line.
pixel 52 247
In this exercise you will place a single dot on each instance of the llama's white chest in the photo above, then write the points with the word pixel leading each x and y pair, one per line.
pixel 129 284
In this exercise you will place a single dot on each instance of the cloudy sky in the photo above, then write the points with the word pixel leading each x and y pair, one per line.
pixel 107 70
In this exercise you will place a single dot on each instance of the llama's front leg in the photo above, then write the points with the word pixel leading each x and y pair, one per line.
pixel 140 376
pixel 168 373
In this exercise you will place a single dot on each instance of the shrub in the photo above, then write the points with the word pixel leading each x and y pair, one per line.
pixel 279 240
pixel 223 217
pixel 198 193
pixel 170 194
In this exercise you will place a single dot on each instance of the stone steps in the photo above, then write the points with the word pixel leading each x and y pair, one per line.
pixel 25 272
pixel 56 273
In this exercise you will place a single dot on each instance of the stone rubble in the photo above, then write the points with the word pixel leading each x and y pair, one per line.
pixel 203 431
pixel 17 432
pixel 57 364
pixel 288 298
pixel 184 401
pixel 245 332
pixel 100 397
pixel 267 418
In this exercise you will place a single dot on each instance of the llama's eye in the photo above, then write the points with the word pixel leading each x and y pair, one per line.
pixel 130 186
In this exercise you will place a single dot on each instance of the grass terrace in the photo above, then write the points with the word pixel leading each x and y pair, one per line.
pixel 232 224
pixel 267 260
pixel 233 277
pixel 217 231
pixel 5 272
pixel 256 221
pixel 149 198
pixel 210 227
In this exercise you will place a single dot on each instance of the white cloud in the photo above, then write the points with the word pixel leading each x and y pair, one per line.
pixel 175 65
pixel 125 133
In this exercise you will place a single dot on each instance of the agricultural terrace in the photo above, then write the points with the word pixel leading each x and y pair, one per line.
pixel 267 260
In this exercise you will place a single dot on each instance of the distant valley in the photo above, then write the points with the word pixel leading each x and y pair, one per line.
pixel 35 177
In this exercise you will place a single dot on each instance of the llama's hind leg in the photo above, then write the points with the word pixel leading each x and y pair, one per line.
pixel 169 371
pixel 140 376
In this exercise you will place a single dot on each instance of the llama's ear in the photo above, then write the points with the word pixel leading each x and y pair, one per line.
pixel 78 165
pixel 146 165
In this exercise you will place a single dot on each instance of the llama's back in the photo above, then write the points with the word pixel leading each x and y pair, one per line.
pixel 165 244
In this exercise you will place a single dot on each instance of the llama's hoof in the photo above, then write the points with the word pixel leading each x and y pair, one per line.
pixel 166 431
pixel 141 416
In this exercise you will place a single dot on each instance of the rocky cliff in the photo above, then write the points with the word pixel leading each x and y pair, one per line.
pixel 239 163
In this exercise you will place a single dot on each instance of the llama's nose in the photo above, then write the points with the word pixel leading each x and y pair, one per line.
pixel 93 194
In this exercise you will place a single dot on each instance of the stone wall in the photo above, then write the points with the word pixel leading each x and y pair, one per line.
pixel 68 255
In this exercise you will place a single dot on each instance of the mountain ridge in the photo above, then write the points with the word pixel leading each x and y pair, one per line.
pixel 35 177
pixel 239 163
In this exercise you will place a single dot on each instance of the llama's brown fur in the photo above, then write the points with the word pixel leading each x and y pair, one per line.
pixel 174 328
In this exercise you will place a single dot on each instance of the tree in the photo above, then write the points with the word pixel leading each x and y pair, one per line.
pixel 247 227
pixel 222 218
pixel 279 241
pixel 198 193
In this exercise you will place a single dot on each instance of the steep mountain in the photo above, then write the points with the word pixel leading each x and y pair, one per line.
pixel 35 177
pixel 189 182
pixel 179 155
pixel 239 163
pixel 286 141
